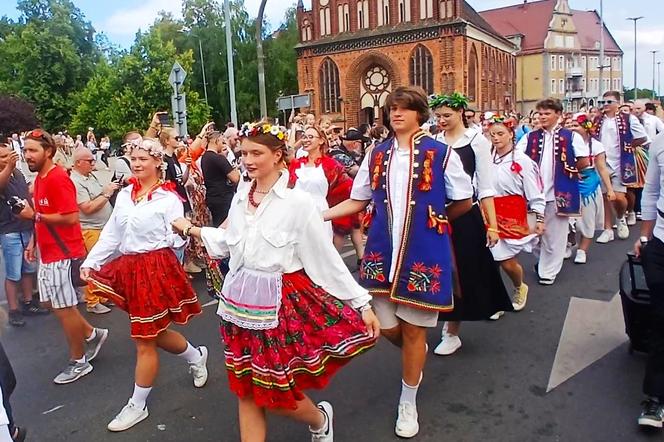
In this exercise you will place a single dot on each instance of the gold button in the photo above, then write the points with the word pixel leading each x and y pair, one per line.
pixel 385 201
pixel 383 173
pixel 383 186
pixel 416 151
pixel 415 176
pixel 412 203
pixel 416 164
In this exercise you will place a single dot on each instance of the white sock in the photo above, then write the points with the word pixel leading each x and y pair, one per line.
pixel 92 335
pixel 140 396
pixel 191 354
pixel 408 393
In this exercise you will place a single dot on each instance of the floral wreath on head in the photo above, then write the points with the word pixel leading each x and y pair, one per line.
pixel 261 128
pixel 583 121
pixel 454 101
pixel 501 119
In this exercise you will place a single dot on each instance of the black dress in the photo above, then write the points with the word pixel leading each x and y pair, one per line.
pixel 479 291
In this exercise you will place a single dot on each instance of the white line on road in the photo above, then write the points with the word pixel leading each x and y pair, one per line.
pixel 53 409
pixel 213 302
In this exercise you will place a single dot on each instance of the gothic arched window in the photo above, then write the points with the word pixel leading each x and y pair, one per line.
pixel 329 87
pixel 421 68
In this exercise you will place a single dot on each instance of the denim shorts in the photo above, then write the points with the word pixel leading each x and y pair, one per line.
pixel 13 246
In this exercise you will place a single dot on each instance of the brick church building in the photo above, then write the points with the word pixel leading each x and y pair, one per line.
pixel 352 53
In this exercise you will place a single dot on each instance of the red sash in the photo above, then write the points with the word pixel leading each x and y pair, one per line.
pixel 512 216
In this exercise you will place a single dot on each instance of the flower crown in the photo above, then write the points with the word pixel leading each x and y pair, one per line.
pixel 255 129
pixel 150 145
pixel 583 121
pixel 501 119
pixel 454 101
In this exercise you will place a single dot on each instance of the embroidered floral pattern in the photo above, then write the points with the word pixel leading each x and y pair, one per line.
pixel 438 221
pixel 424 279
pixel 377 170
pixel 427 173
pixel 563 200
pixel 372 267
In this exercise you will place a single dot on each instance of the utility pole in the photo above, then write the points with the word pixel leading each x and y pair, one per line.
pixel 659 81
pixel 653 73
pixel 600 89
pixel 200 50
pixel 229 59
pixel 635 19
pixel 261 59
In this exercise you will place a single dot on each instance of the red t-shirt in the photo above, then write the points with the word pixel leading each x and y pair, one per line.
pixel 55 193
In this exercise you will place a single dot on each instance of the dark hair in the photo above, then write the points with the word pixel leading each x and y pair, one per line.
pixel 553 104
pixel 44 139
pixel 470 110
pixel 409 97
pixel 377 132
pixel 270 141
pixel 614 94
pixel 651 107
pixel 214 136
pixel 364 128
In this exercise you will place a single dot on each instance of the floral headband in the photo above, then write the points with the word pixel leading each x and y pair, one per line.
pixel 150 145
pixel 249 130
pixel 501 119
pixel 454 101
pixel 583 121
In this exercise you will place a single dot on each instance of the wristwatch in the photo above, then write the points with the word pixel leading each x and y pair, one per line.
pixel 643 239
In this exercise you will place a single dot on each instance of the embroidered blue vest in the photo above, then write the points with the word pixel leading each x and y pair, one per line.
pixel 628 163
pixel 423 276
pixel 565 174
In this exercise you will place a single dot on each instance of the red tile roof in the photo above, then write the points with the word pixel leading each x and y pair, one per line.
pixel 532 19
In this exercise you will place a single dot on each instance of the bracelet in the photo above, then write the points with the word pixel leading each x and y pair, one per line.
pixel 491 229
pixel 187 230
pixel 37 217
pixel 364 308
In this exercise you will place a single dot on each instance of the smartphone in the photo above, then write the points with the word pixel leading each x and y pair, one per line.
pixel 163 119
pixel 16 204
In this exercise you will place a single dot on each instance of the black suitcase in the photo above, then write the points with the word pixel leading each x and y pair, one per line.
pixel 635 298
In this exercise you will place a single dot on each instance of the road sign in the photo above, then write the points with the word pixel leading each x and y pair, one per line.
pixel 177 76
pixel 179 106
pixel 293 102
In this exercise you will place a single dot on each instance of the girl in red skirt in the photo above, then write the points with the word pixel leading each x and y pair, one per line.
pixel 291 312
pixel 146 280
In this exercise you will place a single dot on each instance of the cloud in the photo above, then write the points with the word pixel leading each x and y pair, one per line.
pixel 646 37
pixel 125 22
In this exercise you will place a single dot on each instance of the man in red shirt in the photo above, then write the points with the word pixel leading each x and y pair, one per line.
pixel 60 242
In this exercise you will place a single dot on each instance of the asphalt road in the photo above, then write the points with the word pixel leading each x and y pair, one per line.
pixel 493 389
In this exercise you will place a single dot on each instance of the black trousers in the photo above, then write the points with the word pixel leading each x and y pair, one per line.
pixel 219 209
pixel 653 266
pixel 7 383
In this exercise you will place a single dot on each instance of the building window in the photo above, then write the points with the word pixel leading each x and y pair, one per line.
pixel 421 68
pixel 561 63
pixel 553 86
pixel 325 28
pixel 329 87
pixel 619 84
pixel 426 9
pixel 344 17
pixel 472 74
pixel 363 14
pixel 561 86
pixel 446 8
pixel 383 12
pixel 559 41
pixel 306 30
pixel 569 41
pixel 616 64
pixel 404 11
pixel 583 85
pixel 584 62
pixel 553 63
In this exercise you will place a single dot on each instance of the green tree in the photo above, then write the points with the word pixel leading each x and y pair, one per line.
pixel 281 61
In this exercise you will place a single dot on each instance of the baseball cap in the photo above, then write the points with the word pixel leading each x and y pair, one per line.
pixel 352 134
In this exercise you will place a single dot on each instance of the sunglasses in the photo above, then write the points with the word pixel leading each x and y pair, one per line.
pixel 603 102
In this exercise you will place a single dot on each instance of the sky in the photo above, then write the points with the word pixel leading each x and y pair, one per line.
pixel 120 19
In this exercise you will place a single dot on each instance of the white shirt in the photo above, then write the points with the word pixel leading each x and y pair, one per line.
pixel 652 198
pixel 547 163
pixel 482 150
pixel 597 148
pixel 652 124
pixel 526 183
pixel 284 235
pixel 138 228
pixel 457 187
pixel 611 141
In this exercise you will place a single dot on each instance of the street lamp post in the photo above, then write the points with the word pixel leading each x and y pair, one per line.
pixel 635 19
pixel 659 81
pixel 200 52
pixel 653 73
pixel 229 60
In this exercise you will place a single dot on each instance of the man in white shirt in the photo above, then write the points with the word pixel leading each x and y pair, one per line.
pixel 651 123
pixel 403 323
pixel 650 247
pixel 610 125
pixel 547 153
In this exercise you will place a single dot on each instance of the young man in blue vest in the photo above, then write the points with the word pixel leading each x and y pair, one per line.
pixel 620 133
pixel 560 154
pixel 407 264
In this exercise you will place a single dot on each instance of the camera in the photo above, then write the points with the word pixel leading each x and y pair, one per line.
pixel 16 204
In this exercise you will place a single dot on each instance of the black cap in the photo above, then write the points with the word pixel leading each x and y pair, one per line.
pixel 353 134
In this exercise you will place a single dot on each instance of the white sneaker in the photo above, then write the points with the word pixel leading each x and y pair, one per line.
pixel 407 425
pixel 568 251
pixel 325 434
pixel 448 345
pixel 98 309
pixel 520 297
pixel 129 416
pixel 631 218
pixel 605 236
pixel 199 369
pixel 580 257
pixel 623 230
pixel 496 316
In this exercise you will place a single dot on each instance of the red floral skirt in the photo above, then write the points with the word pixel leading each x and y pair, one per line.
pixel 317 334
pixel 151 287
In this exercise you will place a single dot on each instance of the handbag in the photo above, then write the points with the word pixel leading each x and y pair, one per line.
pixel 76 263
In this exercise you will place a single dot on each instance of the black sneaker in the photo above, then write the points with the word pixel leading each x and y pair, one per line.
pixel 32 309
pixel 652 414
pixel 16 318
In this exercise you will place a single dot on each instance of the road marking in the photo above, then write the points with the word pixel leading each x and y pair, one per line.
pixel 53 409
pixel 209 303
pixel 592 329
pixel 348 253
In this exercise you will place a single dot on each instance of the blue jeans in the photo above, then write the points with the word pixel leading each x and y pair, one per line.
pixel 13 248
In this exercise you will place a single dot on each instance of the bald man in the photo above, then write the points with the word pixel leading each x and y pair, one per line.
pixel 651 123
pixel 94 211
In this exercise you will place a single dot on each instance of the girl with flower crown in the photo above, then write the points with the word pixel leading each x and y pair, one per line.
pixel 480 283
pixel 592 204
pixel 516 179
pixel 291 312
pixel 146 280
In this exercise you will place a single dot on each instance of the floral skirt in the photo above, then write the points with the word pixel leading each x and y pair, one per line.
pixel 151 287
pixel 317 334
